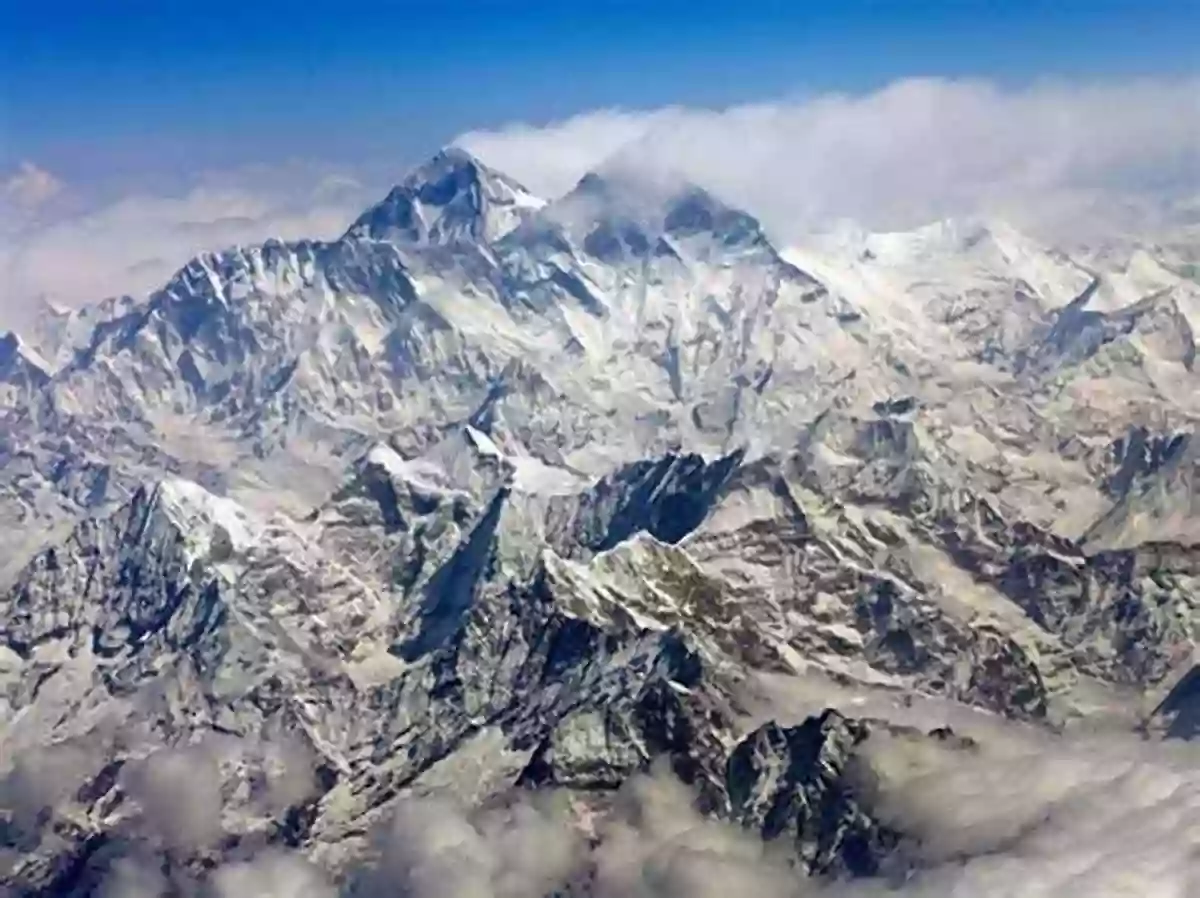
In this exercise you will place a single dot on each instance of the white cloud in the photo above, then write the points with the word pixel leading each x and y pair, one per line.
pixel 42 779
pixel 133 244
pixel 1039 817
pixel 1026 815
pixel 1050 154
pixel 436 849
pixel 272 875
pixel 179 794
pixel 655 845
pixel 30 186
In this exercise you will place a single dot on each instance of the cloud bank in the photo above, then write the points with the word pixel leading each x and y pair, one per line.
pixel 1028 815
pixel 1031 816
pixel 1038 818
pixel 1052 156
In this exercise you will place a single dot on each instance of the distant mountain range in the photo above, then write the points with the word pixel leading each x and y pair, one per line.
pixel 499 495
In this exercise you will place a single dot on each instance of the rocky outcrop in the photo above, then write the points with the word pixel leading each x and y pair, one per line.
pixel 1177 716
pixel 798 784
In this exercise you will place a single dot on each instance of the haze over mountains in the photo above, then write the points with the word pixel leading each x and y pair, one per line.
pixel 497 501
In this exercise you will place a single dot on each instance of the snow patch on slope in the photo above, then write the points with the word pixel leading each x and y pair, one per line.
pixel 211 526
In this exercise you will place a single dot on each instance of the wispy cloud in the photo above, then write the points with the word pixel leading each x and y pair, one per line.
pixel 1050 155
pixel 435 848
pixel 273 874
pixel 134 243
pixel 30 186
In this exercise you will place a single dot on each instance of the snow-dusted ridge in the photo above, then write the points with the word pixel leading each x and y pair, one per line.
pixel 208 521
pixel 452 198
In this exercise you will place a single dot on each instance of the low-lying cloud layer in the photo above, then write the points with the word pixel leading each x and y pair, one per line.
pixel 1043 818
pixel 1028 815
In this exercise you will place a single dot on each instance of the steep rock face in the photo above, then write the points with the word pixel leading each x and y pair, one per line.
pixel 1138 455
pixel 1154 326
pixel 667 497
pixel 416 624
pixel 58 334
pixel 1158 499
pixel 1127 615
pixel 285 348
pixel 117 582
pixel 1099 606
pixel 683 329
pixel 981 287
pixel 249 632
pixel 670 295
pixel 233 329
pixel 22 370
pixel 818 605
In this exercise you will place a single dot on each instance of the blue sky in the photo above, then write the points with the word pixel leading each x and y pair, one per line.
pixel 94 88
pixel 136 133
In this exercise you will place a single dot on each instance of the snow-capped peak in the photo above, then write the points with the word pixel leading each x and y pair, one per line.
pixel 950 236
pixel 961 250
pixel 616 210
pixel 189 504
pixel 447 163
pixel 210 526
pixel 449 199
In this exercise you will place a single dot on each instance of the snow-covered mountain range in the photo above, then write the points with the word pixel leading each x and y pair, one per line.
pixel 498 494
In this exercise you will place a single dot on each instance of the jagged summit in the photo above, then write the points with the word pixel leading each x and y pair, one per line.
pixel 1157 495
pixel 941 237
pixel 449 199
pixel 616 213
pixel 1154 327
pixel 190 506
pixel 21 367
pixel 58 332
